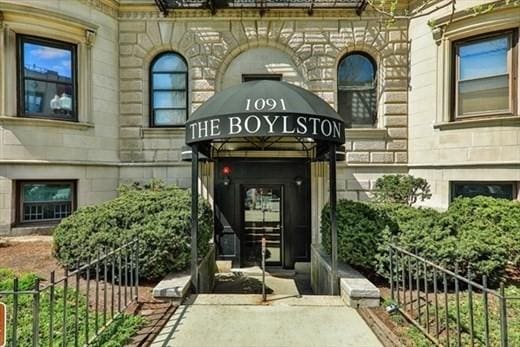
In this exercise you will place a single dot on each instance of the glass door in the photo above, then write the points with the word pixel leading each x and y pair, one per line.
pixel 262 217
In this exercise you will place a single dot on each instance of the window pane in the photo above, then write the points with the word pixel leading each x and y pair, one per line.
pixel 357 94
pixel 169 99
pixel 170 117
pixel 483 58
pixel 48 98
pixel 356 70
pixel 47 62
pixel 169 81
pixel 42 192
pixel 496 190
pixel 358 108
pixel 484 95
pixel 168 63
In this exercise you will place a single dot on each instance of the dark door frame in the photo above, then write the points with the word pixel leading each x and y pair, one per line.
pixel 242 189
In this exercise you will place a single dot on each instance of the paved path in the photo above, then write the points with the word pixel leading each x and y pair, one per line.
pixel 242 320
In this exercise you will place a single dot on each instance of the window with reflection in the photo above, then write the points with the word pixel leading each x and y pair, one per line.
pixel 168 90
pixel 357 92
pixel 483 67
pixel 45 201
pixel 47 87
pixel 498 190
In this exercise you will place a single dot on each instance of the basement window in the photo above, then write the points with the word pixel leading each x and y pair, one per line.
pixel 499 190
pixel 45 201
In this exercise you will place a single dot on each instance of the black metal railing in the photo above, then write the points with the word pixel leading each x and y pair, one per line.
pixel 449 308
pixel 175 4
pixel 76 307
pixel 263 5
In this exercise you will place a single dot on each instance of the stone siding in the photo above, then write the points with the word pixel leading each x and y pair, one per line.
pixel 210 46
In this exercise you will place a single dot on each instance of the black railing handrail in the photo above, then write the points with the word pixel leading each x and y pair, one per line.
pixel 125 257
pixel 420 288
pixel 446 271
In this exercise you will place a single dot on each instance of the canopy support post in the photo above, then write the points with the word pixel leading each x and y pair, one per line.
pixel 194 215
pixel 333 221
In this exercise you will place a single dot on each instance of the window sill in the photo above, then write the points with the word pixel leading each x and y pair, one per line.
pixel 478 123
pixel 32 229
pixel 365 133
pixel 162 132
pixel 45 122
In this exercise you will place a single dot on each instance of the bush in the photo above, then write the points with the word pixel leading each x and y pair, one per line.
pixel 401 189
pixel 360 232
pixel 481 232
pixel 485 220
pixel 159 216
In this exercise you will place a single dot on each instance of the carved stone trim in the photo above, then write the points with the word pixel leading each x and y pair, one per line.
pixel 108 7
pixel 152 12
pixel 90 38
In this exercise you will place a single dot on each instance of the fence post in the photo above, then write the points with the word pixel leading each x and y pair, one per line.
pixel 503 317
pixel 137 269
pixel 65 289
pixel 76 306
pixel 391 274
pixel 36 314
pixel 14 336
pixel 470 309
pixel 51 308
pixel 486 317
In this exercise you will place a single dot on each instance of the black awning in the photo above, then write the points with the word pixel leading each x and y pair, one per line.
pixel 265 109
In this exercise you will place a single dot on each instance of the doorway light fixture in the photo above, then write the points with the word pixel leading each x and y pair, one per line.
pixel 226 181
pixel 298 181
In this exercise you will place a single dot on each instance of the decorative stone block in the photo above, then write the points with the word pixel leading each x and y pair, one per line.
pixel 365 145
pixel 381 157
pixel 357 157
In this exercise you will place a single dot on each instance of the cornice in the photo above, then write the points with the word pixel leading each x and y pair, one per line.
pixel 147 11
pixel 500 11
pixel 108 7
pixel 34 12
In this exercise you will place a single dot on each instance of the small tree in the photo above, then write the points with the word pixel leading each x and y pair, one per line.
pixel 402 189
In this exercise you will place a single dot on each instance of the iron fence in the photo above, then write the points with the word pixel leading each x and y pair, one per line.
pixel 78 306
pixel 449 308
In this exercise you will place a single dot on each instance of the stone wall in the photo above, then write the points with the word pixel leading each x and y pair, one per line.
pixel 37 149
pixel 441 150
pixel 212 47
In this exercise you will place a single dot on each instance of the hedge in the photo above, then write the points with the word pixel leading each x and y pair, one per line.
pixel 481 232
pixel 158 216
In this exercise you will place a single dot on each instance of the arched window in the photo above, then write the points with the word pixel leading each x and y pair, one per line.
pixel 168 90
pixel 357 92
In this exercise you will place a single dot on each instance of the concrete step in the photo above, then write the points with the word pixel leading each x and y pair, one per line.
pixel 270 271
pixel 256 299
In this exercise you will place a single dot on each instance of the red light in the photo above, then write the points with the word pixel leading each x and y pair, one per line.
pixel 226 170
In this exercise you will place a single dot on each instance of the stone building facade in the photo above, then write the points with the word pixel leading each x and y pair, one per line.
pixel 113 141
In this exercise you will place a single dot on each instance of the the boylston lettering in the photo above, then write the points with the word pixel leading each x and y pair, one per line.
pixel 265 125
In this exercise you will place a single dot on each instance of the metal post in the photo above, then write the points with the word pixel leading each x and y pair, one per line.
pixel 333 222
pixel 194 215
pixel 264 297
pixel 503 316
pixel 36 314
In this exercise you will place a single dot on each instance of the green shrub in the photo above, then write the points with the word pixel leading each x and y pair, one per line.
pixel 480 220
pixel 159 216
pixel 482 233
pixel 360 232
pixel 401 189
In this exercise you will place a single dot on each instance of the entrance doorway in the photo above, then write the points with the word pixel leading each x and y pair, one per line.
pixel 262 215
pixel 262 197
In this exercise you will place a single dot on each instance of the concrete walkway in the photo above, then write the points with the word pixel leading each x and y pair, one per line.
pixel 242 320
